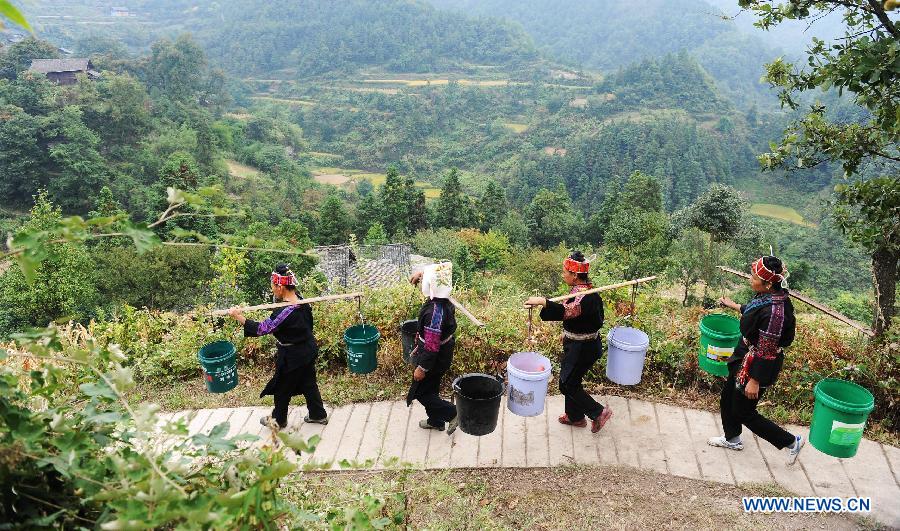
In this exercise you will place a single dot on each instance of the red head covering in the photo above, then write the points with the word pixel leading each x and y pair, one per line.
pixel 284 280
pixel 759 269
pixel 574 266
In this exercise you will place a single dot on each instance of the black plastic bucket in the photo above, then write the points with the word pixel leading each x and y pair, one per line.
pixel 408 331
pixel 478 402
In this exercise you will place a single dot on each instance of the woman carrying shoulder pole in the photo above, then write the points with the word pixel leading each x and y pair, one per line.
pixel 767 326
pixel 582 318
pixel 435 341
pixel 295 360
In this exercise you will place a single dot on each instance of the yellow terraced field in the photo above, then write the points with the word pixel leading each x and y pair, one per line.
pixel 780 212
pixel 344 176
pixel 304 103
pixel 424 82
pixel 430 192
pixel 516 127
pixel 376 179
pixel 241 170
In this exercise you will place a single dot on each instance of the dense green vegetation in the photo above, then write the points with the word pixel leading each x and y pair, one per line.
pixel 612 34
pixel 176 180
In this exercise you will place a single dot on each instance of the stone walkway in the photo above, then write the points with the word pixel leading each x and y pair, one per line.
pixel 647 435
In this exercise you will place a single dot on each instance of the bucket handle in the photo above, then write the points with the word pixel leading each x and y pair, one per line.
pixel 359 313
pixel 409 304
pixel 629 318
pixel 530 325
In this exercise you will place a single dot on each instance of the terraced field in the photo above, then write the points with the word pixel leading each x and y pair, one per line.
pixel 346 176
pixel 241 170
pixel 516 127
pixel 780 212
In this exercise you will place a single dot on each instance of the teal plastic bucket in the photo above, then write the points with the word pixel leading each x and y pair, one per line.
pixel 839 416
pixel 219 362
pixel 362 348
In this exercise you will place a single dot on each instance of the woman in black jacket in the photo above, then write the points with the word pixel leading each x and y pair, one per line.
pixel 767 326
pixel 296 351
pixel 433 355
pixel 582 318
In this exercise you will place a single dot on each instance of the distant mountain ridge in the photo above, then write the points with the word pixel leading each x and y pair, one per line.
pixel 318 36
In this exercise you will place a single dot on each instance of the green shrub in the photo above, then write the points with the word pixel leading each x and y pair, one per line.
pixel 163 278
pixel 64 287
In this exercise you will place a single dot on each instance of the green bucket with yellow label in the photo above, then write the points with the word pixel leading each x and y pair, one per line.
pixel 719 335
pixel 839 416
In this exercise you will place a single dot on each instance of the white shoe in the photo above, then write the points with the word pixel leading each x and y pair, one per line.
pixel 722 442
pixel 794 451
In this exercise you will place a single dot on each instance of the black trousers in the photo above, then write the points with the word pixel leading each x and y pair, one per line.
pixel 739 410
pixel 578 358
pixel 427 392
pixel 288 384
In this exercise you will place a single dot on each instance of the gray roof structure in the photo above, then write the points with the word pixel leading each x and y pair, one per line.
pixel 46 66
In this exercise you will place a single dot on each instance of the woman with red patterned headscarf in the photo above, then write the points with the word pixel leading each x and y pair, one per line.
pixel 295 359
pixel 767 327
pixel 582 318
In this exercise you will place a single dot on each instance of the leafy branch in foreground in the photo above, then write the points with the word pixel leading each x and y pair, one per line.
pixel 90 458
pixel 10 12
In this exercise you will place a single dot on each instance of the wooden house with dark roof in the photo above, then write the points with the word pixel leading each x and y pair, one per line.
pixel 63 71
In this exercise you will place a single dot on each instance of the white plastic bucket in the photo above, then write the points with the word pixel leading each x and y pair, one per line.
pixel 529 375
pixel 626 353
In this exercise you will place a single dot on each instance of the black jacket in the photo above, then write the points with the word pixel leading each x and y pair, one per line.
pixel 292 326
pixel 583 317
pixel 763 371
pixel 441 359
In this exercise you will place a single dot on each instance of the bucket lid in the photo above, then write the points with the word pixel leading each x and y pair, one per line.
pixel 361 333
pixel 720 326
pixel 539 360
pixel 410 326
pixel 822 394
pixel 627 338
pixel 457 390
pixel 216 350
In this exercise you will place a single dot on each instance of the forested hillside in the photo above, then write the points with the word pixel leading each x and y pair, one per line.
pixel 611 34
pixel 311 37
pixel 159 158
pixel 262 100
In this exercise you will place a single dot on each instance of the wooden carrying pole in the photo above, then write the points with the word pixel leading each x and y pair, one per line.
pixel 465 312
pixel 602 288
pixel 283 304
pixel 817 305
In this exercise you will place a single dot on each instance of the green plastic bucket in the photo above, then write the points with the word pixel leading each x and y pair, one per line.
pixel 219 362
pixel 362 345
pixel 839 416
pixel 719 335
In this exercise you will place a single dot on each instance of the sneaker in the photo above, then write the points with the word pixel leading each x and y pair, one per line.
pixel 269 422
pixel 794 451
pixel 722 442
pixel 323 420
pixel 426 426
pixel 452 425
pixel 564 419
pixel 601 419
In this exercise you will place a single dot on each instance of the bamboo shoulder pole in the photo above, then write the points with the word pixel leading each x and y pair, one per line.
pixel 283 304
pixel 815 304
pixel 465 312
pixel 604 288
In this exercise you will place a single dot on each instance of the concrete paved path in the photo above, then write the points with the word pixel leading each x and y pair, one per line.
pixel 658 437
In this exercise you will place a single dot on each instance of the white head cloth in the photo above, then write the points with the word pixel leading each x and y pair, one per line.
pixel 437 280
